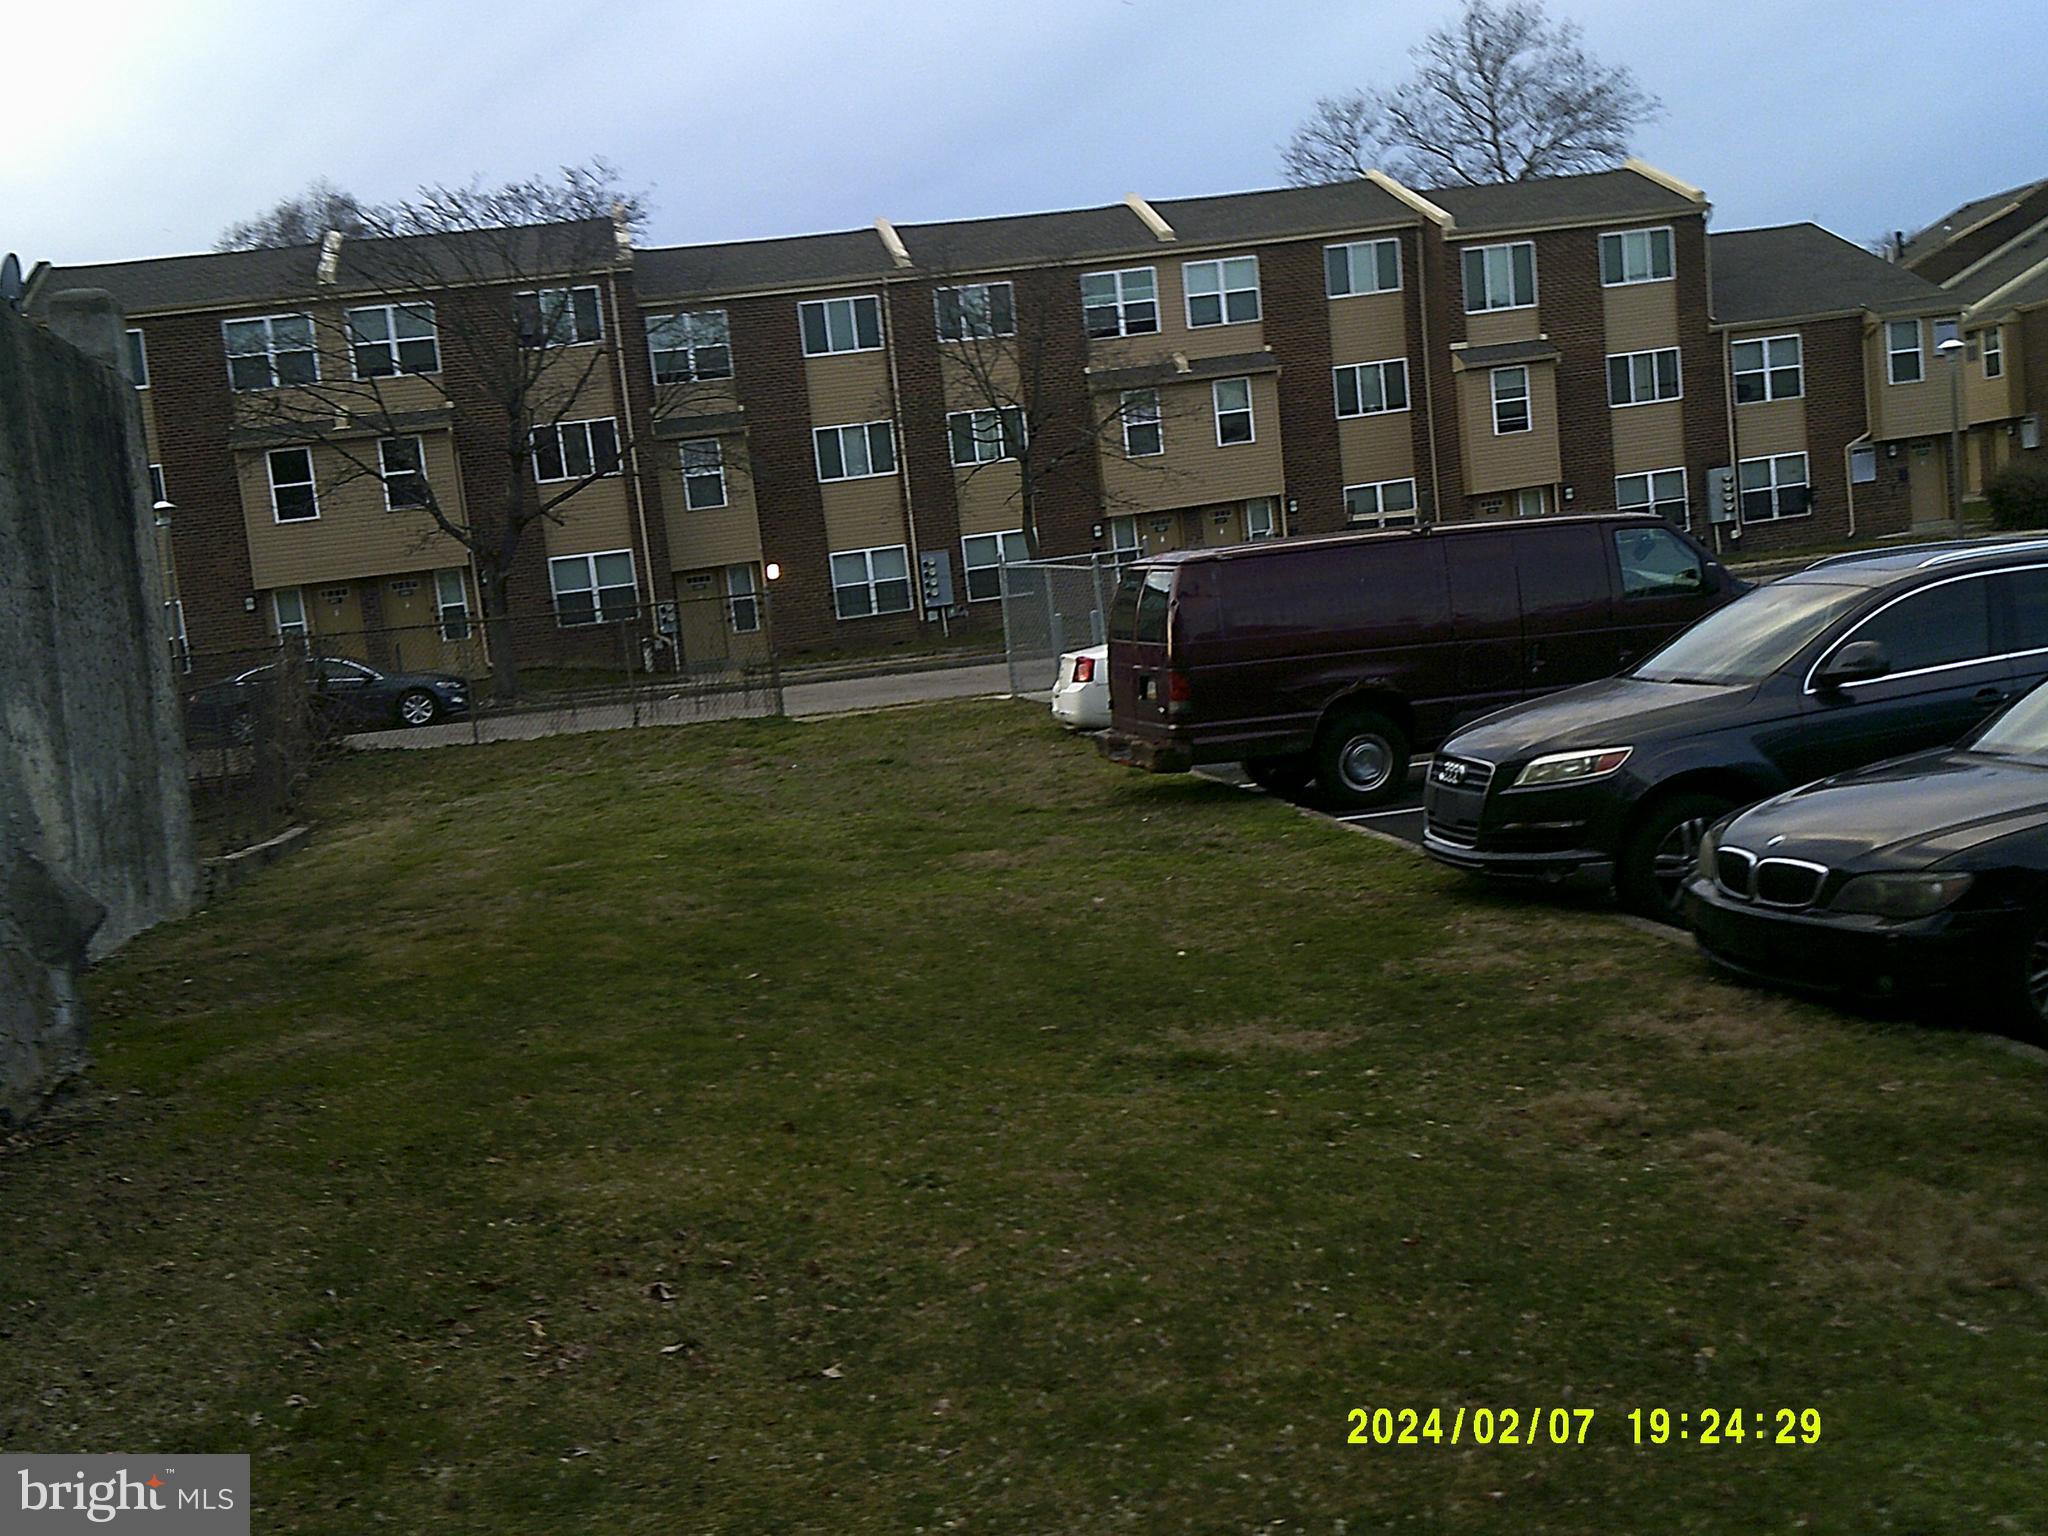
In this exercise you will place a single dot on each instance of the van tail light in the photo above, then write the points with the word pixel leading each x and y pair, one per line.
pixel 1084 669
pixel 1180 693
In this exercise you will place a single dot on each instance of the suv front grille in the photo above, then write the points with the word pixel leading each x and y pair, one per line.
pixel 1461 773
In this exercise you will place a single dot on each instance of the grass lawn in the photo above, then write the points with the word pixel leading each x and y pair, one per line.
pixel 910 1123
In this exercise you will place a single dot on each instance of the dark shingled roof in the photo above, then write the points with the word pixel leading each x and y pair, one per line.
pixel 1504 352
pixel 851 255
pixel 1620 194
pixel 967 244
pixel 1937 234
pixel 2011 261
pixel 1284 211
pixel 1792 270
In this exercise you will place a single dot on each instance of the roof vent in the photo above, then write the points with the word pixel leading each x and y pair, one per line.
pixel 893 243
pixel 330 258
pixel 1150 217
pixel 1181 363
pixel 622 234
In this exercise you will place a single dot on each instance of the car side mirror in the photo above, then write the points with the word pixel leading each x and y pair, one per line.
pixel 1857 662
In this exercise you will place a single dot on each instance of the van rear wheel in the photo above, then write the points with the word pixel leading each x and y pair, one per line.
pixel 1361 759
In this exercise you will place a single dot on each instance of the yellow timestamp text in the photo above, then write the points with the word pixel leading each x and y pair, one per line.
pixel 1725 1426
pixel 1390 1426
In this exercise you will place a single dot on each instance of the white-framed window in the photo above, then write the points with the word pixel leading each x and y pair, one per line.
pixel 1530 501
pixel 1124 543
pixel 1363 266
pixel 387 339
pixel 975 311
pixel 576 450
pixel 840 325
pixel 742 599
pixel 1661 491
pixel 288 613
pixel 866 582
pixel 703 465
pixel 451 604
pixel 1863 464
pixel 157 492
pixel 1144 429
pixel 1369 389
pixel 1773 487
pixel 1510 401
pixel 175 636
pixel 1642 378
pixel 1122 303
pixel 689 345
pixel 1499 276
pixel 402 465
pixel 271 351
pixel 560 317
pixel 1946 330
pixel 593 589
pixel 858 451
pixel 138 375
pixel 1262 518
pixel 1994 353
pixel 1768 368
pixel 982 556
pixel 1903 363
pixel 1221 292
pixel 1233 402
pixel 293 498
pixel 1635 256
pixel 985 437
pixel 1382 504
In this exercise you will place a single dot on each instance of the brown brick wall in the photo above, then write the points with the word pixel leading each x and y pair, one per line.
pixel 1069 489
pixel 921 419
pixel 1706 384
pixel 1573 307
pixel 1439 306
pixel 650 526
pixel 1297 324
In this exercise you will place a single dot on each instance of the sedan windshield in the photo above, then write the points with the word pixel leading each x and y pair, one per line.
pixel 2021 731
pixel 1752 637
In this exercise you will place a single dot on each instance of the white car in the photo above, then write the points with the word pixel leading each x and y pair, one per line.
pixel 1080 694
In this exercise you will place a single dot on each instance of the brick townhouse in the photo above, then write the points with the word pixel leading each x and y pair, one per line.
pixel 811 415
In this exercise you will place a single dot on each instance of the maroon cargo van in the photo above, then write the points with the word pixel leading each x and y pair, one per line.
pixel 1334 658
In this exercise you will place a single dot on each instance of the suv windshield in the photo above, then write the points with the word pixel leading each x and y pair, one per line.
pixel 1752 637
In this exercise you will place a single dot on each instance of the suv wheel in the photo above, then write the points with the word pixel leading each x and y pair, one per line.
pixel 1362 759
pixel 1280 775
pixel 1660 854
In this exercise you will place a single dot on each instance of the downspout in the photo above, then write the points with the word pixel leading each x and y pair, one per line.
pixel 1849 473
pixel 611 288
pixel 1436 485
pixel 903 458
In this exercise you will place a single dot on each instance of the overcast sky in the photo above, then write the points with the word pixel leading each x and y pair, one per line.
pixel 777 117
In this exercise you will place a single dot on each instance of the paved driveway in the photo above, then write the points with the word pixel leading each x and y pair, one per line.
pixel 1402 818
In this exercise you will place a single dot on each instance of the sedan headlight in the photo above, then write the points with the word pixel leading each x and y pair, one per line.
pixel 1919 895
pixel 1572 767
pixel 1710 844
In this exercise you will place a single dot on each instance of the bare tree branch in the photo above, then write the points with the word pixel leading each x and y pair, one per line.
pixel 301 219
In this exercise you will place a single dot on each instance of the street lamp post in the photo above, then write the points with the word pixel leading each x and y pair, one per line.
pixel 1952 349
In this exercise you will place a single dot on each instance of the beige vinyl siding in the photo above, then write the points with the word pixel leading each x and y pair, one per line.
pixel 1649 436
pixel 1908 410
pixel 980 375
pixel 989 499
pixel 1499 325
pixel 848 387
pixel 597 518
pixel 1641 317
pixel 1494 463
pixel 1986 399
pixel 1194 470
pixel 712 536
pixel 1369 327
pixel 354 534
pixel 1770 426
pixel 1173 334
pixel 859 514
pixel 1374 448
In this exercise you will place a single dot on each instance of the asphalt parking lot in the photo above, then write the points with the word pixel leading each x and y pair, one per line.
pixel 1402 819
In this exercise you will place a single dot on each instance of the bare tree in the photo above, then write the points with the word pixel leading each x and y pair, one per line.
pixel 505 288
pixel 301 219
pixel 1502 93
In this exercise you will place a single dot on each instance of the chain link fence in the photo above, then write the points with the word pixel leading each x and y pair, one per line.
pixel 1050 607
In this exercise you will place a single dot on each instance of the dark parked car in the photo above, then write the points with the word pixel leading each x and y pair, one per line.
pixel 1338 657
pixel 1925 874
pixel 1851 661
pixel 348 695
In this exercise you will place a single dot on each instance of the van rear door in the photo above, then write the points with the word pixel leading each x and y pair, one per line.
pixel 1137 646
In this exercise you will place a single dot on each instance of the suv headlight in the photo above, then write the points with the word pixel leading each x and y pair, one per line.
pixel 1901 895
pixel 1572 767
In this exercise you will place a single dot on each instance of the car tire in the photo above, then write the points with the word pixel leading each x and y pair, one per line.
pixel 2026 984
pixel 1361 759
pixel 1659 855
pixel 418 707
pixel 1280 775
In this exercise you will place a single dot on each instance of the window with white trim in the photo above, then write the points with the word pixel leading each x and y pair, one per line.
pixel 742 599
pixel 1946 330
pixel 1382 504
pixel 1144 430
pixel 593 589
pixel 1530 501
pixel 1773 487
pixel 982 556
pixel 1221 292
pixel 840 325
pixel 138 365
pixel 402 465
pixel 1661 491
pixel 175 636
pixel 387 339
pixel 1122 303
pixel 157 492
pixel 1262 518
pixel 1233 402
pixel 866 582
pixel 576 450
pixel 1124 543
pixel 1994 353
pixel 1863 464
pixel 858 451
pixel 293 498
pixel 975 311
pixel 560 317
pixel 271 352
pixel 1903 363
pixel 1363 266
pixel 451 604
pixel 1635 256
pixel 1369 389
pixel 1642 378
pixel 1510 388
pixel 985 437
pixel 1499 276
pixel 1768 368
pixel 703 465
pixel 690 345
pixel 288 613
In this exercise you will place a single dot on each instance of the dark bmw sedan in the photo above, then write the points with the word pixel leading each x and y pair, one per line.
pixel 1927 874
